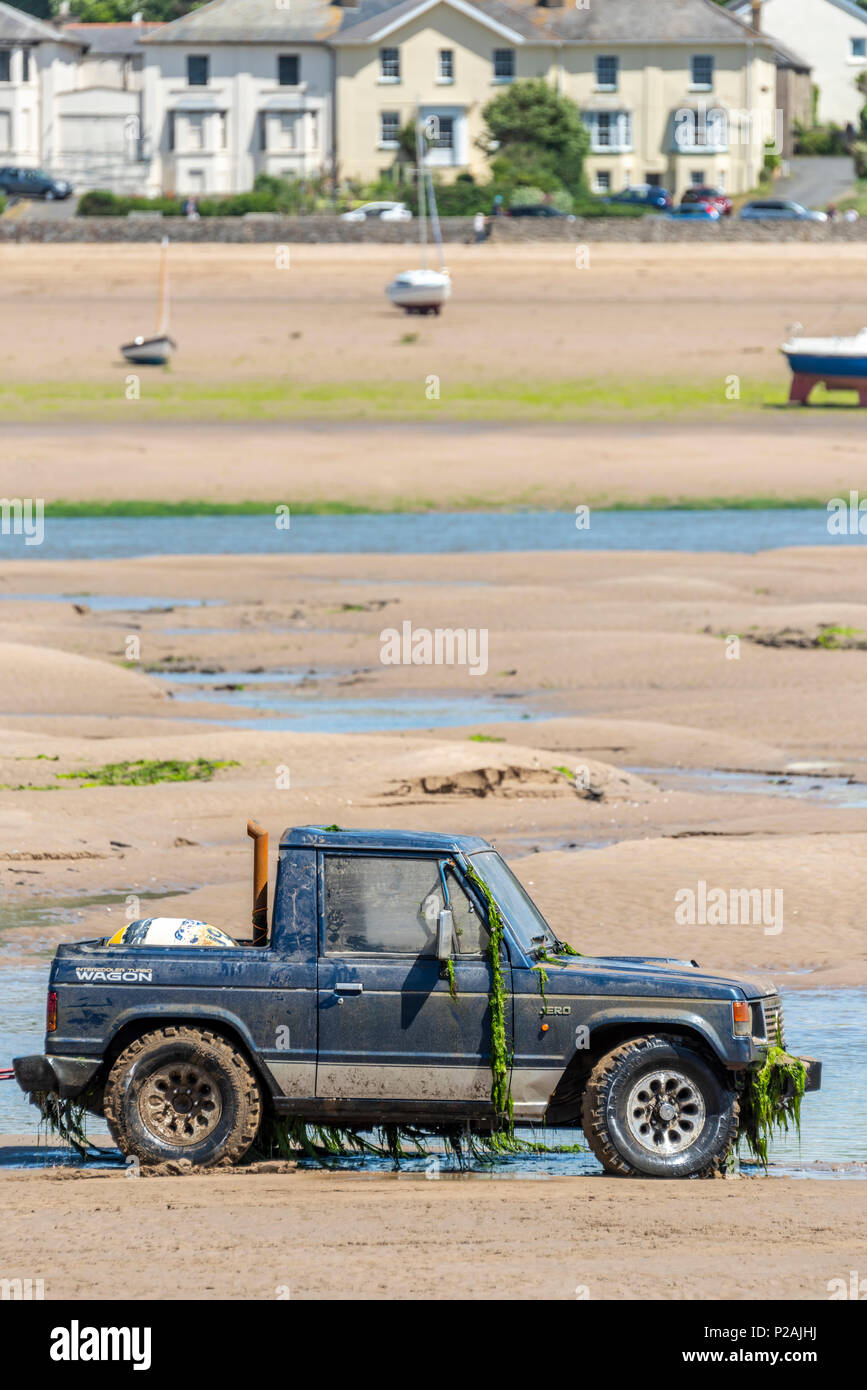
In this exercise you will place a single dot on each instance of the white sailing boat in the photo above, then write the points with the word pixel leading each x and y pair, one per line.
pixel 423 291
pixel 155 351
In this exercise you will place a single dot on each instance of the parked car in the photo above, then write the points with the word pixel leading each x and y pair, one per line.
pixel 780 209
pixel 386 212
pixel 32 183
pixel 696 212
pixel 704 194
pixel 648 195
pixel 539 210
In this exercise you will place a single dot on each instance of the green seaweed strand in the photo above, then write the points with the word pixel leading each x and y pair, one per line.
pixel 500 1059
pixel 771 1100
pixel 450 971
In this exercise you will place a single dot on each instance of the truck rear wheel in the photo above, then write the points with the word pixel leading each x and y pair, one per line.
pixel 183 1093
pixel 656 1108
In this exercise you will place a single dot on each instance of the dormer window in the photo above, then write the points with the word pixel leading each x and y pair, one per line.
pixel 859 48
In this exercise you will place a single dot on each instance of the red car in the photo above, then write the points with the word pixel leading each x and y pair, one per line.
pixel 715 196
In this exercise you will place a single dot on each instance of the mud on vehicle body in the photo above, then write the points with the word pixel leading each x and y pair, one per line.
pixel 371 1002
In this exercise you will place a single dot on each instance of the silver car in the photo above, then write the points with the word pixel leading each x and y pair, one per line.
pixel 384 212
pixel 780 209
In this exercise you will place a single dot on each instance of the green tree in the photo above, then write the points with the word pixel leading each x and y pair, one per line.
pixel 534 135
pixel 110 11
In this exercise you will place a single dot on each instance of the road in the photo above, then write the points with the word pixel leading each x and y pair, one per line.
pixel 39 210
pixel 816 180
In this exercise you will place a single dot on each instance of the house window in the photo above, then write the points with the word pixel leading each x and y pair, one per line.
pixel 602 181
pixel 314 130
pixel 504 64
pixel 859 48
pixel 389 65
pixel 696 178
pixel 5 74
pixel 444 139
pixel 389 129
pixel 446 69
pixel 607 67
pixel 222 131
pixel 197 70
pixel 25 65
pixel 5 130
pixel 610 130
pixel 196 130
pixel 653 180
pixel 701 71
pixel 286 130
pixel 287 70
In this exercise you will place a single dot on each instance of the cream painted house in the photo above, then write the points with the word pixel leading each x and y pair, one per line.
pixel 675 92
pixel 446 58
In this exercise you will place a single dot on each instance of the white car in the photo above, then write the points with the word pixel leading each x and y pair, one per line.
pixel 386 212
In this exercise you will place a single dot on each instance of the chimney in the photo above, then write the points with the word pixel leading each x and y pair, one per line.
pixel 756 12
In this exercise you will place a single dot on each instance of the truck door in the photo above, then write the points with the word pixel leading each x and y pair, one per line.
pixel 389 1028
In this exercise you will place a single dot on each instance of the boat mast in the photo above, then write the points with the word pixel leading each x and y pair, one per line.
pixel 163 301
pixel 422 191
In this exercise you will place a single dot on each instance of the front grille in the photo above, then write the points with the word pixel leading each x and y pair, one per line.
pixel 772 1008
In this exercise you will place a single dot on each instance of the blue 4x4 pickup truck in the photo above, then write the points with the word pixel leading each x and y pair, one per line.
pixel 375 999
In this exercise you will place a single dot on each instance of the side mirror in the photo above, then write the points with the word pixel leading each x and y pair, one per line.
pixel 445 933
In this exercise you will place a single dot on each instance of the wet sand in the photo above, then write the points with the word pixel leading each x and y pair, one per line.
pixel 635 334
pixel 324 1235
pixel 619 662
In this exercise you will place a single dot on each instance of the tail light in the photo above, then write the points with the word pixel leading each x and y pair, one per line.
pixel 742 1019
pixel 51 1011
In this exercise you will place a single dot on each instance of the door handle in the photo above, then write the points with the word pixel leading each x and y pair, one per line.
pixel 349 987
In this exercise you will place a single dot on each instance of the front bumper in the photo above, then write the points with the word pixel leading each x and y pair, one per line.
pixel 67 1076
pixel 813 1068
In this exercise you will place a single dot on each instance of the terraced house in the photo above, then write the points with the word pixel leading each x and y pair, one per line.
pixel 673 91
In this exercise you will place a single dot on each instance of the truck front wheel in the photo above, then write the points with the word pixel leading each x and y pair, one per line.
pixel 183 1093
pixel 656 1108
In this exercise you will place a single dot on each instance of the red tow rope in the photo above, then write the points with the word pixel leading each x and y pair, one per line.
pixel 7 1074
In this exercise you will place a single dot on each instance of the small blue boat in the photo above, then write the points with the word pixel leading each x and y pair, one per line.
pixel 828 357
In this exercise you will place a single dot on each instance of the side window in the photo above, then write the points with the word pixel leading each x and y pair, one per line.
pixel 376 904
pixel 471 933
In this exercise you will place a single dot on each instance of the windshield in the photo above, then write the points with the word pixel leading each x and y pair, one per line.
pixel 522 914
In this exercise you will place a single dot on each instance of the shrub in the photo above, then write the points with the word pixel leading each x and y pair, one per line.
pixel 526 197
pixel 2 205
pixel 821 140
pixel 860 153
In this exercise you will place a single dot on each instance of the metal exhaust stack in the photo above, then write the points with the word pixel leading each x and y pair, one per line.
pixel 260 882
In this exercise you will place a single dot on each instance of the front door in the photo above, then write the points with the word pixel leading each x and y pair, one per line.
pixel 389 1027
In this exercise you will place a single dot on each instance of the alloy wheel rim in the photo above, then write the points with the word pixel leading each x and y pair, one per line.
pixel 665 1112
pixel 180 1104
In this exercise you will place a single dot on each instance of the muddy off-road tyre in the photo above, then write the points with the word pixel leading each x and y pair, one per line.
pixel 183 1093
pixel 656 1107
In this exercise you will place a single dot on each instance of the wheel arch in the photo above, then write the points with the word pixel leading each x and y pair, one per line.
pixel 564 1107
pixel 229 1029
